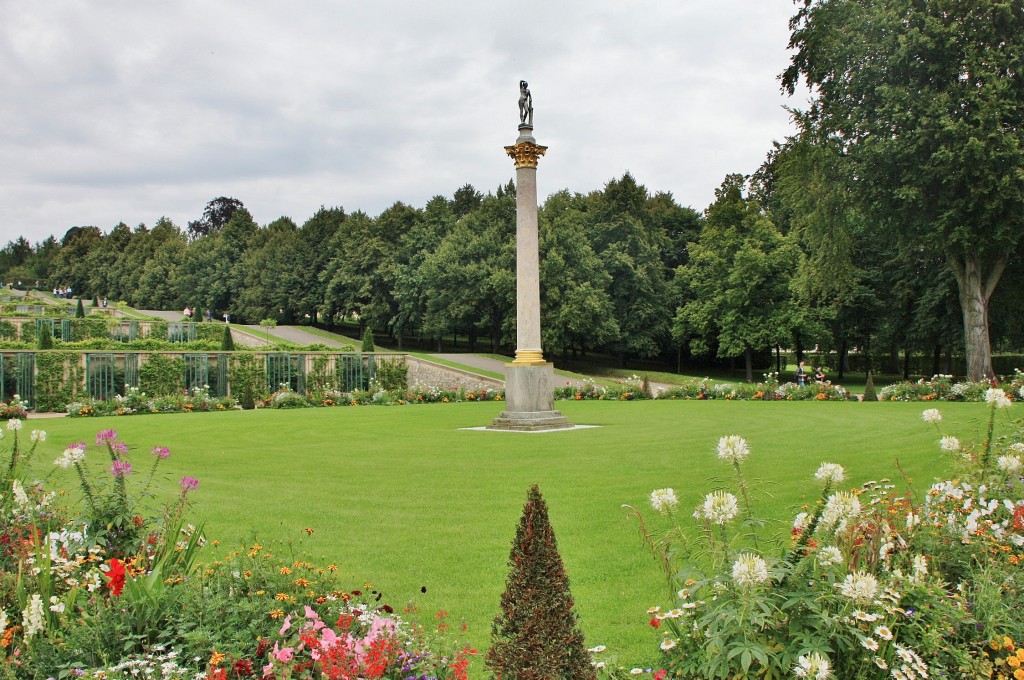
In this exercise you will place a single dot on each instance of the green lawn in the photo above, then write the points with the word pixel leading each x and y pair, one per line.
pixel 403 499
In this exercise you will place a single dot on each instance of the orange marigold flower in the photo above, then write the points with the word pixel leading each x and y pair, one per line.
pixel 276 614
pixel 285 571
pixel 282 597
pixel 216 658
pixel 301 582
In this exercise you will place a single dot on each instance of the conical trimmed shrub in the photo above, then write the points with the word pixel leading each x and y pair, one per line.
pixel 80 310
pixel 869 389
pixel 227 343
pixel 367 340
pixel 535 636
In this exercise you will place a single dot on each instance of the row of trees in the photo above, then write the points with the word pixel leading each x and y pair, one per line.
pixel 892 219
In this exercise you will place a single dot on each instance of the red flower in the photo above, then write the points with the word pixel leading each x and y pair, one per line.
pixel 116 574
pixel 1018 517
pixel 660 675
pixel 655 622
pixel 243 667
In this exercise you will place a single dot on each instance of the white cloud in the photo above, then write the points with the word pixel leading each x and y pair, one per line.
pixel 129 111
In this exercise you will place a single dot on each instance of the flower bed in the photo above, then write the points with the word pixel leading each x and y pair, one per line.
pixel 874 582
pixel 119 591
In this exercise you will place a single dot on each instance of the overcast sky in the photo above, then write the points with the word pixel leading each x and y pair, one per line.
pixel 117 111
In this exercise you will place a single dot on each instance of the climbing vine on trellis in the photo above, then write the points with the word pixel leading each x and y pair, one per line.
pixel 59 378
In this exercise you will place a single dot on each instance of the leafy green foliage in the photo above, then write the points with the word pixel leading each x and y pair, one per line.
pixel 161 375
pixel 367 345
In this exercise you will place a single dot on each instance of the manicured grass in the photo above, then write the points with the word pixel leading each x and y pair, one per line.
pixel 401 498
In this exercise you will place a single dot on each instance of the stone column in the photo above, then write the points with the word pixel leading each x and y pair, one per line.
pixel 526 153
pixel 529 380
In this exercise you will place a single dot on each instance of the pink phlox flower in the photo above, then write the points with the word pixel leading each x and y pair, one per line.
pixel 161 452
pixel 119 448
pixel 268 670
pixel 104 436
pixel 121 469
pixel 284 628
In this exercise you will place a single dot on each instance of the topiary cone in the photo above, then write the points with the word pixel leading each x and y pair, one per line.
pixel 535 636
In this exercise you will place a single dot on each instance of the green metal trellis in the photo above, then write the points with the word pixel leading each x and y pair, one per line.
pixel 26 380
pixel 197 371
pixel 181 331
pixel 355 371
pixel 286 369
pixel 131 371
pixel 100 378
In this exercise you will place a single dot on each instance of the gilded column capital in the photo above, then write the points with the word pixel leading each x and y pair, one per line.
pixel 525 154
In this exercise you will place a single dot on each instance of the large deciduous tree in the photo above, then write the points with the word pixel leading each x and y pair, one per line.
pixel 926 99
pixel 736 287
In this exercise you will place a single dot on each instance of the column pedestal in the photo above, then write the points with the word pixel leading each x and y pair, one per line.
pixel 529 400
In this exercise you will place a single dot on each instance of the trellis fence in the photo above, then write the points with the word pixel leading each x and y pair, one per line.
pixel 102 374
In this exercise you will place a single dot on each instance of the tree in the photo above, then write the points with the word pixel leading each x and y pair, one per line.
pixel 736 286
pixel 631 248
pixel 926 99
pixel 535 636
pixel 576 310
pixel 217 214
pixel 367 340
pixel 266 325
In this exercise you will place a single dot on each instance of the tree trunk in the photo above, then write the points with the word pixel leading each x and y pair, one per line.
pixel 937 359
pixel 976 288
pixel 748 354
pixel 844 352
pixel 906 363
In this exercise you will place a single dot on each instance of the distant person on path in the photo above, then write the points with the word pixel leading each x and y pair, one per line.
pixel 227 318
pixel 208 315
pixel 819 375
pixel 187 312
pixel 801 374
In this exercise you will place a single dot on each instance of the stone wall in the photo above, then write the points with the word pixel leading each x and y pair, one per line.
pixel 426 374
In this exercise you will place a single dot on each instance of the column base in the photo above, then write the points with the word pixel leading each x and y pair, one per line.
pixel 529 400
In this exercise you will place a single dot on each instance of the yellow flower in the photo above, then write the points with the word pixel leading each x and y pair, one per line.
pixel 285 571
pixel 1013 661
pixel 216 658
pixel 276 614
pixel 282 597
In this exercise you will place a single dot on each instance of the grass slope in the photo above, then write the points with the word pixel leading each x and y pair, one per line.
pixel 401 498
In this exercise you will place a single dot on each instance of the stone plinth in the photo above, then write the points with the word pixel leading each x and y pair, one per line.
pixel 529 400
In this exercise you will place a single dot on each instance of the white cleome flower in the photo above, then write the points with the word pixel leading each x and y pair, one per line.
pixel 840 508
pixel 949 444
pixel 733 449
pixel 719 507
pixel 931 416
pixel 814 666
pixel 830 556
pixel 994 395
pixel 71 456
pixel 664 500
pixel 749 570
pixel 831 473
pixel 1011 464
pixel 14 424
pixel 860 587
pixel 38 436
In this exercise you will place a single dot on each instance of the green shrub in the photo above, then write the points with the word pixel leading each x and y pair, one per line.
pixel 535 635
pixel 79 310
pixel 44 338
pixel 161 375
pixel 367 340
pixel 227 343
pixel 248 379
pixel 393 375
